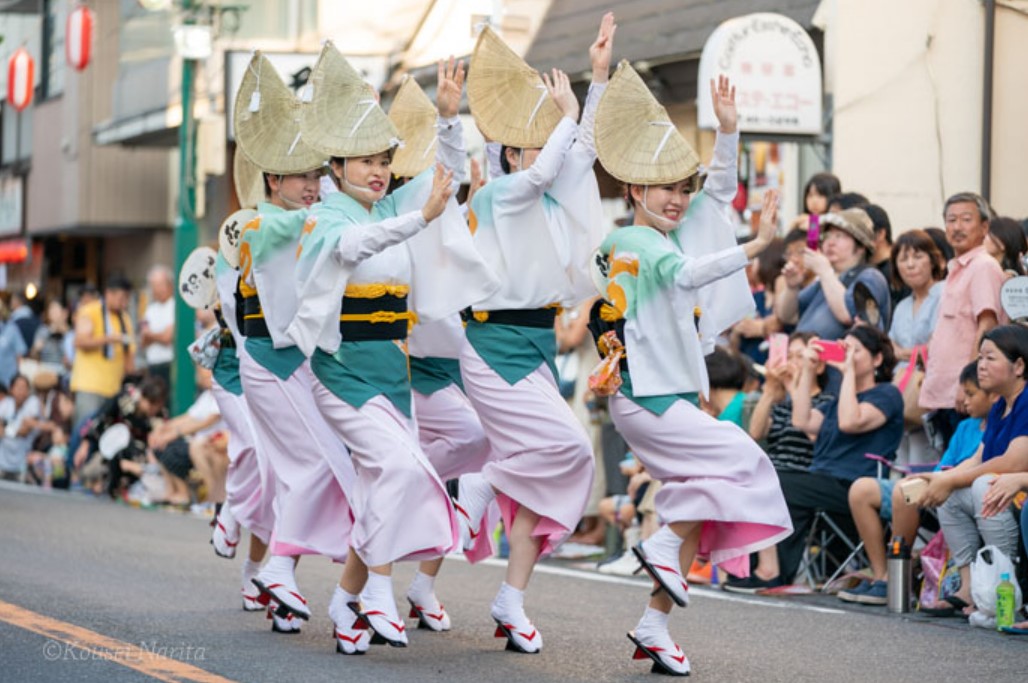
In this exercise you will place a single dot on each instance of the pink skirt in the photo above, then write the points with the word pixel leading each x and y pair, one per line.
pixel 312 469
pixel 249 485
pixel 710 472
pixel 542 457
pixel 401 509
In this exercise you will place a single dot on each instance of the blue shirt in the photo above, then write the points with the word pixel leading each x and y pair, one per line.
pixel 1000 431
pixel 817 317
pixel 841 455
pixel 963 444
pixel 909 330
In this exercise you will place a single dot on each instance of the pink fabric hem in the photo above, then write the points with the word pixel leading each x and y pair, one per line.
pixel 552 531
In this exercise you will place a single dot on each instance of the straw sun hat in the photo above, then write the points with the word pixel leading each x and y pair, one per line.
pixel 343 118
pixel 635 139
pixel 267 122
pixel 414 116
pixel 248 180
pixel 507 97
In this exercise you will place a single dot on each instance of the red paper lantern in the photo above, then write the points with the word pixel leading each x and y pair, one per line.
pixel 21 70
pixel 78 40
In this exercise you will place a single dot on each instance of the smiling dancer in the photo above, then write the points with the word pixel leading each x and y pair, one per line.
pixel 312 469
pixel 369 266
pixel 537 227
pixel 719 497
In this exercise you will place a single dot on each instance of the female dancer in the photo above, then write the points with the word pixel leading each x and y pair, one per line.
pixel 310 464
pixel 720 497
pixel 535 226
pixel 354 277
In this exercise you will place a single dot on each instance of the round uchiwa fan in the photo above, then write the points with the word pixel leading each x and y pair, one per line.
pixel 635 139
pixel 414 116
pixel 507 97
pixel 248 179
pixel 196 281
pixel 343 118
pixel 267 122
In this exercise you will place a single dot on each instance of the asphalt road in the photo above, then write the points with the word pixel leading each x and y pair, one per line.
pixel 90 590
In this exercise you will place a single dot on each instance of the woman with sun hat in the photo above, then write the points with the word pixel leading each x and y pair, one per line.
pixel 311 468
pixel 537 226
pixel 673 281
pixel 369 265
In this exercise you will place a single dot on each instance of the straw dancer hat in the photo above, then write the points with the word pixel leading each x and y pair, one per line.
pixel 414 116
pixel 342 117
pixel 267 122
pixel 507 97
pixel 635 139
pixel 248 179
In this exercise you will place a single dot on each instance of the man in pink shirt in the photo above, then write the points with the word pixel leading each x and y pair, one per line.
pixel 969 308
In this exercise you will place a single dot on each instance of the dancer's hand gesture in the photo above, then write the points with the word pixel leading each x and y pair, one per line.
pixel 449 87
pixel 477 182
pixel 768 225
pixel 600 51
pixel 442 190
pixel 722 94
pixel 559 88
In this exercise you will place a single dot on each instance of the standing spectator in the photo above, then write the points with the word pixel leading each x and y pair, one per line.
pixel 847 200
pixel 104 348
pixel 882 256
pixel 18 413
pixel 846 289
pixel 16 337
pixel 819 191
pixel 1007 244
pixel 52 340
pixel 968 309
pixel 158 326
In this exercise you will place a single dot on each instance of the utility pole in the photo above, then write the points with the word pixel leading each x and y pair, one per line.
pixel 186 234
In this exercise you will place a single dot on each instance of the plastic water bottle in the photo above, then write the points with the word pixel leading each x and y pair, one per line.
pixel 1004 602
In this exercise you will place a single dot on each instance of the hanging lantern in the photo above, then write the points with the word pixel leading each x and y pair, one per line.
pixel 78 39
pixel 20 75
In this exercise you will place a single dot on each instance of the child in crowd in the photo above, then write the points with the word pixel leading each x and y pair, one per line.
pixel 874 501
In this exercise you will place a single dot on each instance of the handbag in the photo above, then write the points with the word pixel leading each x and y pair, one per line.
pixel 909 385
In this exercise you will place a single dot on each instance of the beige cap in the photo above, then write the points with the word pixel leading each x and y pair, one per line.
pixel 854 222
pixel 343 118
pixel 507 97
pixel 636 141
pixel 414 116
pixel 267 122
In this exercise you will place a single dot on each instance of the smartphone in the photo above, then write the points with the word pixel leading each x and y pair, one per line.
pixel 814 232
pixel 832 351
pixel 778 349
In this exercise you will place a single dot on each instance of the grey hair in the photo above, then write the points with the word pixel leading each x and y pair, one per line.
pixel 162 270
pixel 984 210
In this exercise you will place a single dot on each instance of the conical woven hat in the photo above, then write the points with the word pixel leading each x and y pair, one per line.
pixel 248 179
pixel 414 116
pixel 343 118
pixel 635 139
pixel 507 97
pixel 270 136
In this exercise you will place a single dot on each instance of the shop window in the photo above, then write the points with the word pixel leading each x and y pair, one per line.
pixel 53 65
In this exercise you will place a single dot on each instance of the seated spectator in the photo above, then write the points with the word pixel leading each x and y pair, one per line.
pixel 959 493
pixel 847 290
pixel 46 460
pixel 789 448
pixel 135 406
pixel 633 513
pixel 727 377
pixel 874 501
pixel 1004 490
pixel 18 412
pixel 866 418
pixel 1007 244
pixel 748 335
pixel 795 248
pixel 54 340
pixel 917 263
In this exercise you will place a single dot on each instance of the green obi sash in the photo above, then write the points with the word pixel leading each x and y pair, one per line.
pixel 280 362
pixel 226 371
pixel 514 351
pixel 360 370
pixel 429 375
pixel 657 405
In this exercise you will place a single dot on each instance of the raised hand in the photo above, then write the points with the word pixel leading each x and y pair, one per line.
pixel 768 227
pixel 442 190
pixel 449 87
pixel 602 48
pixel 559 88
pixel 722 95
pixel 477 182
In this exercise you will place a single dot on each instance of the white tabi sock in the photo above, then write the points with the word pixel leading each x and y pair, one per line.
pixel 422 588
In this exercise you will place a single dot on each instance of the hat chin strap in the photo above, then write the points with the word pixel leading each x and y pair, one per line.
pixel 289 203
pixel 357 188
pixel 662 221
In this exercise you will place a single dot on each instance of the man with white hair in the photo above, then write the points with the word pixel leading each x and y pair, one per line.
pixel 158 325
